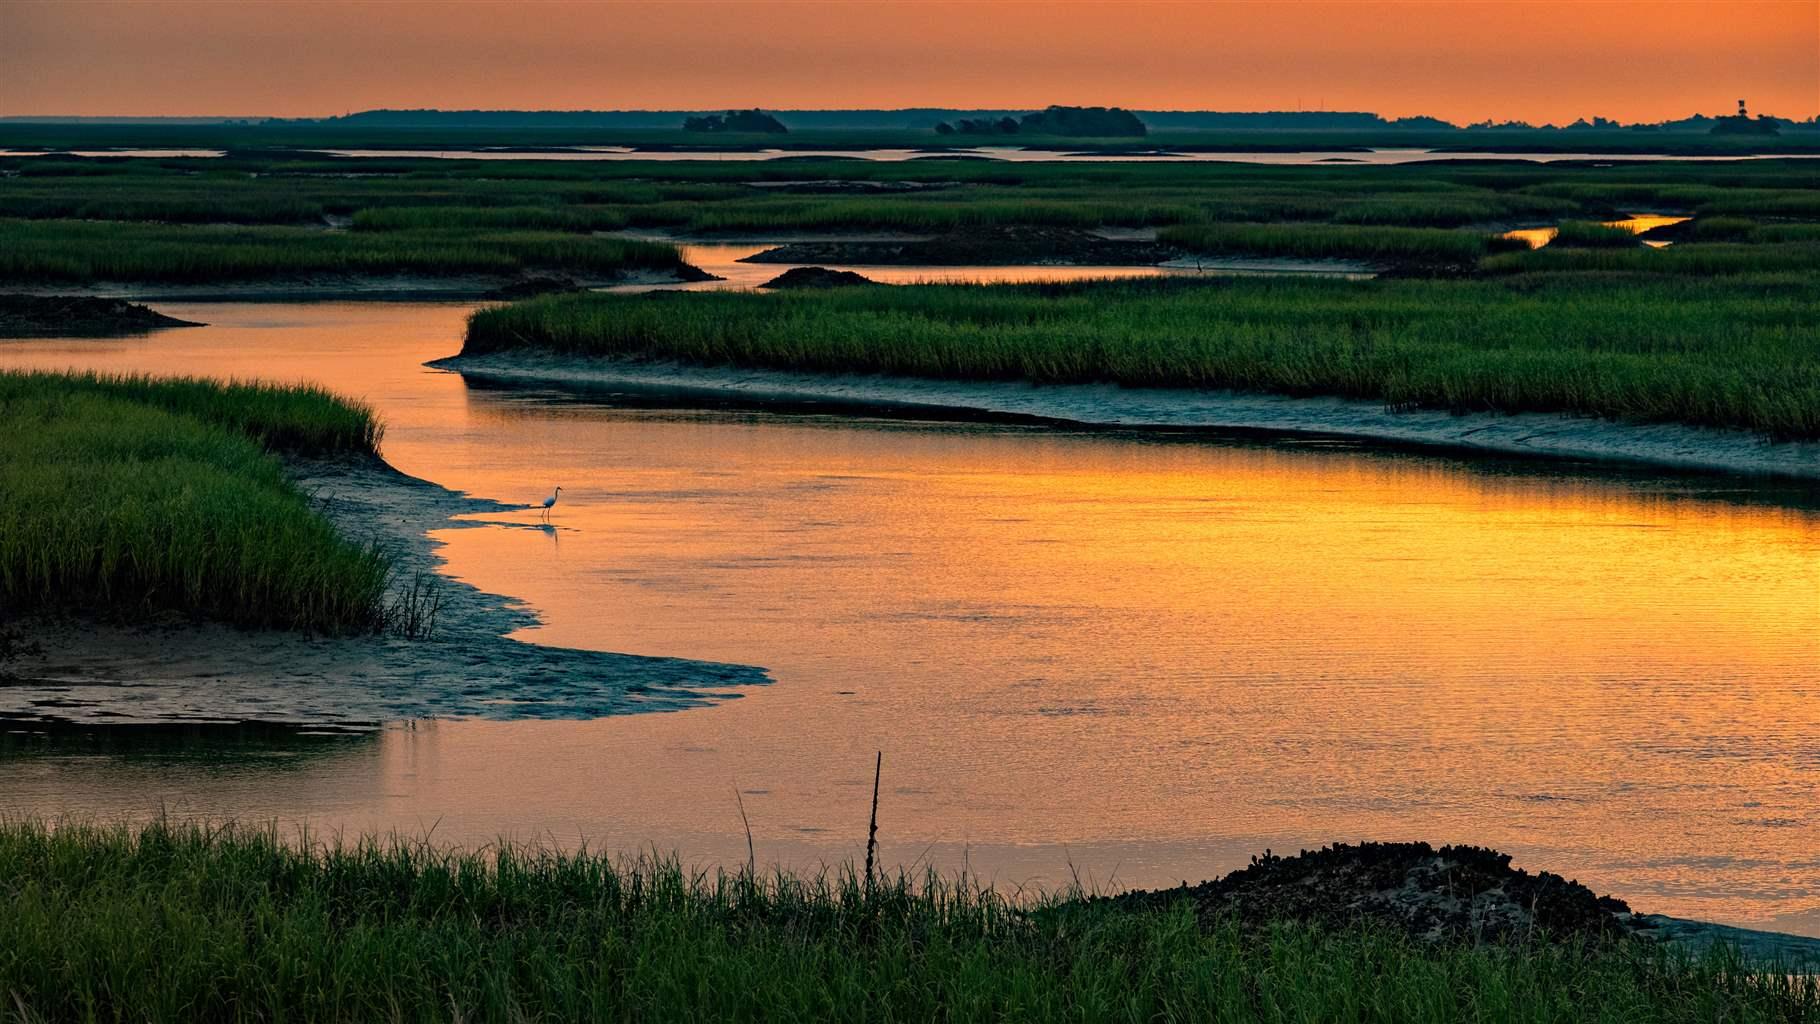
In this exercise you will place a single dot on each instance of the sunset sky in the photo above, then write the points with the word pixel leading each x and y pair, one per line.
pixel 1528 59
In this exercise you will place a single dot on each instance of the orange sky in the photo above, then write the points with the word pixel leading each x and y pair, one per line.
pixel 1540 60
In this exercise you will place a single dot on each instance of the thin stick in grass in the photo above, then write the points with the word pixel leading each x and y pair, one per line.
pixel 878 769
pixel 751 854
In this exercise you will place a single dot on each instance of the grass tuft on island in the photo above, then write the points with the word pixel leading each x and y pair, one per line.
pixel 1403 246
pixel 128 497
pixel 183 922
pixel 1732 352
pixel 83 252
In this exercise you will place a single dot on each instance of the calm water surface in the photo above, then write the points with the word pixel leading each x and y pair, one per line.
pixel 1636 224
pixel 723 260
pixel 1146 658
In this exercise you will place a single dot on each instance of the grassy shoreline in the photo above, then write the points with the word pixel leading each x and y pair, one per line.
pixel 81 252
pixel 173 922
pixel 1729 353
pixel 131 498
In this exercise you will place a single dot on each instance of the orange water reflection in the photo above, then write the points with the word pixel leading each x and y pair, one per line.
pixel 723 261
pixel 1149 658
pixel 1636 224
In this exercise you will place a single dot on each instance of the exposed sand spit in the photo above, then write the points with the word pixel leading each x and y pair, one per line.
pixel 188 672
pixel 1525 434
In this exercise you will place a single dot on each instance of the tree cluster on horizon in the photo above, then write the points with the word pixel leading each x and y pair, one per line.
pixel 754 121
pixel 1092 122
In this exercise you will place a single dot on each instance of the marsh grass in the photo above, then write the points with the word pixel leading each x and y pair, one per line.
pixel 128 497
pixel 1745 230
pixel 183 922
pixel 573 217
pixel 1694 263
pixel 394 194
pixel 1729 353
pixel 1333 241
pixel 1590 235
pixel 85 251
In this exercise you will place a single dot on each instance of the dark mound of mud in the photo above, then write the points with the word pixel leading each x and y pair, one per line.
pixel 979 247
pixel 816 277
pixel 691 272
pixel 38 316
pixel 1456 893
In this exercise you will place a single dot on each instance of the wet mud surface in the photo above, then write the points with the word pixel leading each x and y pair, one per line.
pixel 98 674
pixel 1107 405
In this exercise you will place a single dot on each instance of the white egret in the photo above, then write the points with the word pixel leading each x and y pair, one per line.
pixel 550 502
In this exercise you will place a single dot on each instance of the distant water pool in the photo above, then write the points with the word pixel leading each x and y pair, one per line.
pixel 724 261
pixel 1636 224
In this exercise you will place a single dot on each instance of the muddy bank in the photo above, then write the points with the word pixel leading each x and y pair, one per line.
pixel 815 277
pixel 182 672
pixel 1037 246
pixel 1106 405
pixel 1454 893
pixel 39 316
pixel 1450 894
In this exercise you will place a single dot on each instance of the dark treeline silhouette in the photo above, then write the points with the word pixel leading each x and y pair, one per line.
pixel 755 121
pixel 979 126
pixel 926 118
pixel 1094 122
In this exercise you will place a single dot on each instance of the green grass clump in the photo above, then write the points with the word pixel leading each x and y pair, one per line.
pixel 1450 209
pixel 929 213
pixel 1740 229
pixel 179 923
pixel 1331 241
pixel 1589 235
pixel 84 251
pixel 126 497
pixel 1727 353
pixel 1688 261
pixel 1723 229
pixel 535 218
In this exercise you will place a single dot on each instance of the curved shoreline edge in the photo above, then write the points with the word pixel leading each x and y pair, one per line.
pixel 1539 435
pixel 179 672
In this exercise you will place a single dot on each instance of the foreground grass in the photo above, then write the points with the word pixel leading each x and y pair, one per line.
pixel 174 923
pixel 1734 352
pixel 126 497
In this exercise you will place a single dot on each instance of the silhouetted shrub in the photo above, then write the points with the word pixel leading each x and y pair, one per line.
pixel 754 120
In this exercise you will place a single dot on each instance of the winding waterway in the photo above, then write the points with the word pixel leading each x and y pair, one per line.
pixel 1142 658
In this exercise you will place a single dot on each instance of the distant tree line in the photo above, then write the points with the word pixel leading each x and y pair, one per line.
pixel 1097 122
pixel 1742 123
pixel 977 120
pixel 754 121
